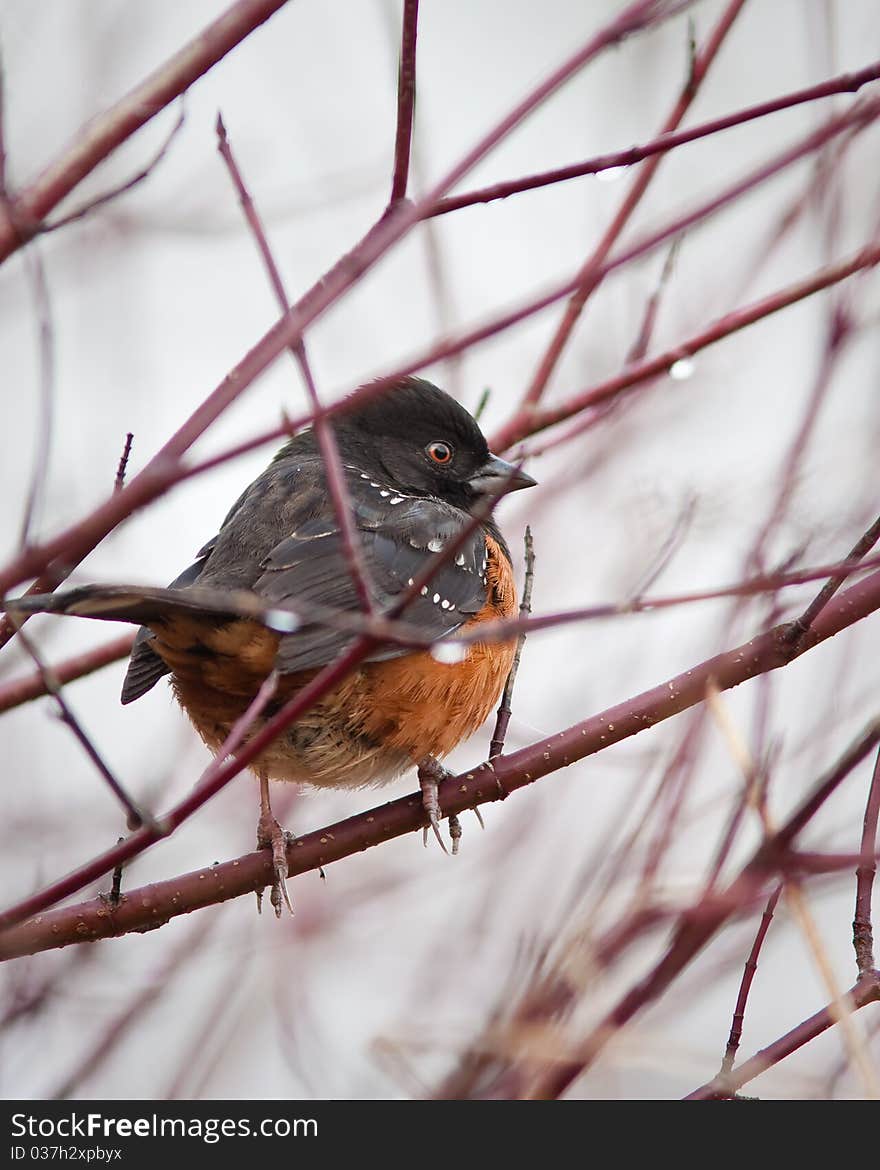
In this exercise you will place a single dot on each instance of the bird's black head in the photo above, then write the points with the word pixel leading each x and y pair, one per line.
pixel 421 441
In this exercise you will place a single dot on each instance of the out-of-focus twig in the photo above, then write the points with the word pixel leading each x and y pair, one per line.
pixel 21 690
pixel 137 817
pixel 122 466
pixel 100 137
pixel 121 188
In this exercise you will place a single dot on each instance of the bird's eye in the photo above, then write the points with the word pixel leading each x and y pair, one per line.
pixel 439 452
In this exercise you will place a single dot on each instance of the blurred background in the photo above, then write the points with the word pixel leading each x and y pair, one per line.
pixel 392 966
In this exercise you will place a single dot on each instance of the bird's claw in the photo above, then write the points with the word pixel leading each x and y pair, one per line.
pixel 430 774
pixel 270 835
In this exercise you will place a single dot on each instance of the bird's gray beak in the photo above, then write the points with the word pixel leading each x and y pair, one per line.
pixel 497 475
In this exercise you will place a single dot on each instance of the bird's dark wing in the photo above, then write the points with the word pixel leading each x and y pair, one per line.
pixel 398 536
pixel 281 540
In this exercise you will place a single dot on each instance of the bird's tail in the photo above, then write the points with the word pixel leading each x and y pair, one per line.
pixel 143 605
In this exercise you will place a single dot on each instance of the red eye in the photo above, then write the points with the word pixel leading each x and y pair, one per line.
pixel 439 452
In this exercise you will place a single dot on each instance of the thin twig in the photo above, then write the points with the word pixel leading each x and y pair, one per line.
pixel 100 137
pixel 109 196
pixel 119 482
pixel 334 472
pixel 496 746
pixel 22 690
pixel 860 995
pixel 840 1005
pixel 586 282
pixel 863 932
pixel 745 986
pixel 406 100
pixel 845 83
pixel 36 271
pixel 137 818
pixel 801 626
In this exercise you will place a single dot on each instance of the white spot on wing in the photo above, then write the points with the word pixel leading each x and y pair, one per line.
pixel 435 545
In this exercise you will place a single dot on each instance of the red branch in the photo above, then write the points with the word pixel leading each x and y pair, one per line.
pixel 100 137
pixel 845 83
pixel 406 100
pixel 22 690
pixel 333 469
pixel 863 932
pixel 586 281
pixel 860 995
pixel 523 425
pixel 699 923
pixel 745 986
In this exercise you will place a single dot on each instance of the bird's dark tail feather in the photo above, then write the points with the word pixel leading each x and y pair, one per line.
pixel 148 607
pixel 143 605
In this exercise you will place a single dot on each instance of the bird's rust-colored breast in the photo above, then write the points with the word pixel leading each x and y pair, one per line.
pixel 425 707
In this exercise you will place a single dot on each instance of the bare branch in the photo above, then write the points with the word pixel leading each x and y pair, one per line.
pixel 22 690
pixel 100 137
pixel 406 100
pixel 845 83
pixel 863 932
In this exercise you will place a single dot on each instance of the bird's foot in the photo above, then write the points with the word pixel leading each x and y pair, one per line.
pixel 270 835
pixel 431 772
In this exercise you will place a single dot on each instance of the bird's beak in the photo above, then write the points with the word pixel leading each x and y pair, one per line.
pixel 497 475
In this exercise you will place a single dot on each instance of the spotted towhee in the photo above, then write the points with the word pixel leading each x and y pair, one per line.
pixel 416 467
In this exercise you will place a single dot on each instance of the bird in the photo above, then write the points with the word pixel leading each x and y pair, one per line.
pixel 418 475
